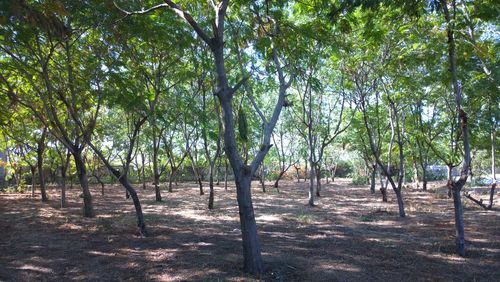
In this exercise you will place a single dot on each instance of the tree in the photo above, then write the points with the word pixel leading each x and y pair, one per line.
pixel 243 172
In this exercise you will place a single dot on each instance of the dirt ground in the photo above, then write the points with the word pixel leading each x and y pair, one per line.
pixel 350 236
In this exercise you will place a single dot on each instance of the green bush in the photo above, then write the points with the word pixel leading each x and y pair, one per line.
pixel 344 169
pixel 359 180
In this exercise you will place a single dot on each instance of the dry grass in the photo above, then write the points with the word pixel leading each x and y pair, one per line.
pixel 350 236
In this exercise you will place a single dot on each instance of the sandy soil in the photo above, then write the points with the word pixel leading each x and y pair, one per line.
pixel 350 236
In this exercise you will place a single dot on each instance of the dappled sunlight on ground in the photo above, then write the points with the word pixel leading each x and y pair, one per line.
pixel 350 235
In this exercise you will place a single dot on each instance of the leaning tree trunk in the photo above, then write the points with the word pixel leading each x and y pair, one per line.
pixel 88 209
pixel 276 183
pixel 137 204
pixel 401 205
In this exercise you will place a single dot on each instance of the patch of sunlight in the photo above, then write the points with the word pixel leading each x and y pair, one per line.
pixel 268 218
pixel 198 244
pixel 454 259
pixel 98 253
pixel 341 266
pixel 35 268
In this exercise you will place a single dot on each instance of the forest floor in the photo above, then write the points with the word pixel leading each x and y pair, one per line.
pixel 351 235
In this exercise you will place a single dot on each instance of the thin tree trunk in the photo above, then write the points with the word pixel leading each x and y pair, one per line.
pixel 276 183
pixel 156 173
pixel 137 204
pixel 311 186
pixel 449 183
pixel 225 174
pixel 211 185
pixel 383 188
pixel 318 181
pixel 63 187
pixel 40 150
pixel 32 169
pixel 424 178
pixel 88 209
pixel 196 174
pixel 459 222
pixel 493 166
pixel 373 176
pixel 143 170
pixel 262 179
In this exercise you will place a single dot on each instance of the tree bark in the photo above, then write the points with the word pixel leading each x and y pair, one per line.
pixel 88 208
pixel 276 183
pixel 32 169
pixel 39 152
pixel 251 246
pixel 211 186
pixel 318 181
pixel 225 174
pixel 372 179
pixel 459 221
pixel 63 187
pixel 156 173
pixel 311 185
pixel 143 170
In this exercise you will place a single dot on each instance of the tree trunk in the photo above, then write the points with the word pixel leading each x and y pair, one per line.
pixel 88 209
pixel 196 174
pixel 156 173
pixel 449 183
pixel 156 179
pixel 137 204
pixel 416 177
pixel 171 180
pixel 311 187
pixel 225 174
pixel 250 240
pixel 493 166
pixel 262 179
pixel 401 204
pixel 424 179
pixel 32 169
pixel 63 187
pixel 211 185
pixel 217 171
pixel 459 221
pixel 334 171
pixel 383 188
pixel 143 171
pixel 318 181
pixel 41 174
pixel 372 179
pixel 276 183
pixel 98 178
